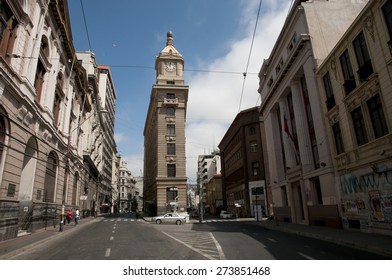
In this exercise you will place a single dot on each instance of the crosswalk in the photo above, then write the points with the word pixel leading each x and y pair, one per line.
pixel 119 220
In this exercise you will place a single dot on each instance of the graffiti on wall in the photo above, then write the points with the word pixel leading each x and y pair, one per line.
pixel 368 195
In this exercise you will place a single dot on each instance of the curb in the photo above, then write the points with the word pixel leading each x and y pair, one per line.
pixel 53 236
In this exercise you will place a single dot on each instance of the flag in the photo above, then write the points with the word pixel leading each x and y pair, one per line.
pixel 286 128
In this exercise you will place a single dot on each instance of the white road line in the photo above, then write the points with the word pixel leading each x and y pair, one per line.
pixel 305 256
pixel 111 238
pixel 272 240
pixel 107 253
pixel 113 231
pixel 218 247
pixel 190 247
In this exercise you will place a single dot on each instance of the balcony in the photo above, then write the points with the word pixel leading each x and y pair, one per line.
pixel 170 101
pixel 330 102
pixel 365 71
pixel 349 85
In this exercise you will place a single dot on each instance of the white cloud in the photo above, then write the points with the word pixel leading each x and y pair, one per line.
pixel 214 98
pixel 118 137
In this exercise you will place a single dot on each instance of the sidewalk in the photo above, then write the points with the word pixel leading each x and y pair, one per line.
pixel 15 246
pixel 370 242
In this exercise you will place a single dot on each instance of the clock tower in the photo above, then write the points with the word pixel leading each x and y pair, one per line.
pixel 165 177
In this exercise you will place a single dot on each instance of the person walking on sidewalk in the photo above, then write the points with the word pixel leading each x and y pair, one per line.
pixel 76 216
pixel 69 216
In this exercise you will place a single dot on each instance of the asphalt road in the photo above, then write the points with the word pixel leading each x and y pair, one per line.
pixel 125 238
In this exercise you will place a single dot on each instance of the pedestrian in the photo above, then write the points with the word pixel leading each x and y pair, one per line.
pixel 69 216
pixel 76 216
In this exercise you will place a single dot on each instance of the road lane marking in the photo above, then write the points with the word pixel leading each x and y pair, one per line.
pixel 190 247
pixel 111 238
pixel 272 240
pixel 305 256
pixel 107 253
pixel 218 247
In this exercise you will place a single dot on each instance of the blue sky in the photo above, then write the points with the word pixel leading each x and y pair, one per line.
pixel 212 35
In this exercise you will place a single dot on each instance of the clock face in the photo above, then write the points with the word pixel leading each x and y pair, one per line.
pixel 170 66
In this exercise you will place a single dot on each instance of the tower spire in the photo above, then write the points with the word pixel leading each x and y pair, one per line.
pixel 169 41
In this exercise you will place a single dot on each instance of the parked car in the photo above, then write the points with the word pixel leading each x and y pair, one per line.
pixel 173 218
pixel 226 215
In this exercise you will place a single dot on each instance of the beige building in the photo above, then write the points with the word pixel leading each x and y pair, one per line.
pixel 50 116
pixel 355 82
pixel 300 169
pixel 164 135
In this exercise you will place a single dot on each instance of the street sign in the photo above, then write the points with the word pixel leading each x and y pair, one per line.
pixel 83 197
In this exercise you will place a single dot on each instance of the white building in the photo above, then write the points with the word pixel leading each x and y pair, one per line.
pixel 300 169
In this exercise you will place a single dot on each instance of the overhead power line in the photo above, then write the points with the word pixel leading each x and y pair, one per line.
pixel 250 53
pixel 85 26
pixel 185 70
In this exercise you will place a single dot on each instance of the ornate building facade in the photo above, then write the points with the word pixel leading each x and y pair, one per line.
pixel 300 169
pixel 356 84
pixel 49 113
pixel 165 177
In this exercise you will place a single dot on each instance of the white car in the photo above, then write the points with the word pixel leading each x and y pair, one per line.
pixel 226 215
pixel 173 218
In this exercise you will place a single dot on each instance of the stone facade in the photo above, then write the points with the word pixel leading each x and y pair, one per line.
pixel 164 135
pixel 300 169
pixel 355 82
pixel 49 117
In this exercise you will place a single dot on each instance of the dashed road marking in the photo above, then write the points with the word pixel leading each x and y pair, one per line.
pixel 107 253
pixel 203 243
pixel 305 256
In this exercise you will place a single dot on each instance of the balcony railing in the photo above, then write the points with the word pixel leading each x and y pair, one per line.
pixel 330 102
pixel 365 71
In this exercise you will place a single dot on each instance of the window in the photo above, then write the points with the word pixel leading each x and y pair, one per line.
pixel 252 130
pixel 171 170
pixel 56 109
pixel 253 147
pixel 349 79
pixel 171 148
pixel 359 126
pixel 11 190
pixel 377 117
pixel 337 133
pixel 363 58
pixel 328 91
pixel 170 111
pixel 256 168
pixel 309 117
pixel 170 129
pixel 8 31
pixel 387 9
pixel 170 96
pixel 39 80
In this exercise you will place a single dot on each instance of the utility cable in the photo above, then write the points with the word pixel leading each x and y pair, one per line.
pixel 85 26
pixel 250 53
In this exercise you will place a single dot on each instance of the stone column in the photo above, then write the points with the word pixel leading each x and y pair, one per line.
pixel 301 123
pixel 289 146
